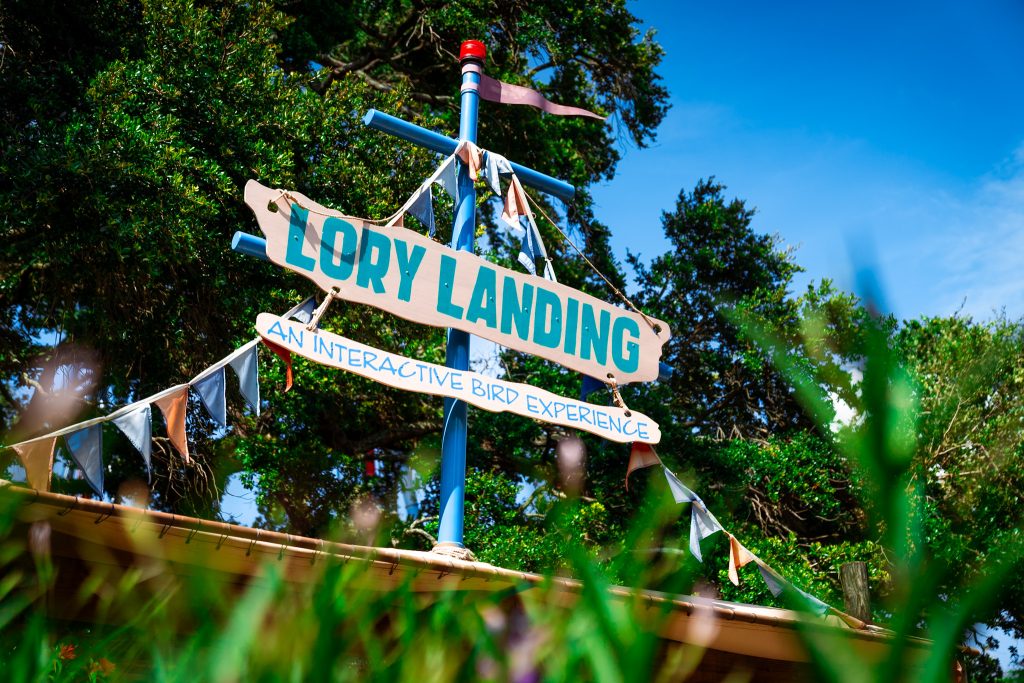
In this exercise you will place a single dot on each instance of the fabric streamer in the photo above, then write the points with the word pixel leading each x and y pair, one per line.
pixel 211 393
pixel 472 157
pixel 505 93
pixel 286 356
pixel 680 492
pixel 246 367
pixel 86 448
pixel 37 459
pixel 738 557
pixel 640 456
pixel 174 406
pixel 138 427
pixel 448 179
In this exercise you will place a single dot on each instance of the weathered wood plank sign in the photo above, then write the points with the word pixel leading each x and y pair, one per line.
pixel 405 273
pixel 489 393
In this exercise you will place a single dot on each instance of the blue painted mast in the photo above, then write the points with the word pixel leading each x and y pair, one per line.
pixel 453 438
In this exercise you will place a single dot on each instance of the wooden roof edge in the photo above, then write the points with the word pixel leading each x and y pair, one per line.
pixel 753 614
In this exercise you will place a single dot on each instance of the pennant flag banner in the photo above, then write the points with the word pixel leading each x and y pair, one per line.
pixel 86 448
pixel 245 366
pixel 704 524
pixel 641 455
pixel 447 178
pixel 471 156
pixel 738 557
pixel 137 425
pixel 211 393
pixel 495 166
pixel 505 93
pixel 423 208
pixel 37 459
pixel 285 355
pixel 173 406
pixel 589 386
pixel 304 311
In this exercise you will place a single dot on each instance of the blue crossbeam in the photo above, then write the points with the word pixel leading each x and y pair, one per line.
pixel 445 145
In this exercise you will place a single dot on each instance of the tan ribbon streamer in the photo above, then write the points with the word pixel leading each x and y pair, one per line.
pixel 515 203
pixel 642 455
pixel 174 406
pixel 738 557
pixel 505 93
pixel 37 459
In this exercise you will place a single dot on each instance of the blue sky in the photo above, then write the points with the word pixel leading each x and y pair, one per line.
pixel 891 131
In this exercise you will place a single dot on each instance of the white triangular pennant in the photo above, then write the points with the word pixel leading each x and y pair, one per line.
pixel 138 427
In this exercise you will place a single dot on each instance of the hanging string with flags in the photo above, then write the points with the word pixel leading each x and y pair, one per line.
pixel 84 440
pixel 704 524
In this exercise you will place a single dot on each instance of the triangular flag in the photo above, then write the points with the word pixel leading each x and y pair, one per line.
pixel 680 492
pixel 211 393
pixel 641 455
pixel 423 208
pixel 471 156
pixel 285 355
pixel 702 525
pixel 37 459
pixel 817 606
pixel 448 179
pixel 776 584
pixel 174 406
pixel 738 557
pixel 304 313
pixel 589 386
pixel 494 90
pixel 138 427
pixel 515 205
pixel 495 166
pixel 245 367
pixel 86 446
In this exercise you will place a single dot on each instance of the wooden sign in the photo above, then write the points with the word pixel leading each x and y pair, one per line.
pixel 489 393
pixel 405 273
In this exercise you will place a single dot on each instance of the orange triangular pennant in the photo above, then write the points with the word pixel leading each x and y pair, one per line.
pixel 471 155
pixel 738 556
pixel 642 455
pixel 285 355
pixel 174 406
pixel 37 459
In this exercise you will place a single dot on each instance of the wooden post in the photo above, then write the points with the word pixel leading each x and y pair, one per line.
pixel 856 594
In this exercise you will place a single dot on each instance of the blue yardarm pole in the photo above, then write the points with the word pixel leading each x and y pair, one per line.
pixel 453 438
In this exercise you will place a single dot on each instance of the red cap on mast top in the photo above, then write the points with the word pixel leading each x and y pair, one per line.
pixel 472 49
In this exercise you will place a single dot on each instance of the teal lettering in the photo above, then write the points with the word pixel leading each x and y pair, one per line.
pixel 293 255
pixel 572 310
pixel 476 386
pixel 444 289
pixel 595 337
pixel 342 269
pixel 547 330
pixel 320 346
pixel 516 310
pixel 372 272
pixel 483 302
pixel 626 356
pixel 408 264
pixel 292 337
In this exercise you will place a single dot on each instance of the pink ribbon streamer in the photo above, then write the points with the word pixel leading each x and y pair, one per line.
pixel 506 93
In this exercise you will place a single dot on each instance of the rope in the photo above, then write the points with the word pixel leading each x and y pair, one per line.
pixel 625 299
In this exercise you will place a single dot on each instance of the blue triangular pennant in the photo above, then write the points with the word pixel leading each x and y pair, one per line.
pixel 86 446
pixel 678 488
pixel 448 179
pixel 304 313
pixel 702 525
pixel 423 208
pixel 138 427
pixel 248 378
pixel 589 386
pixel 211 392
pixel 776 584
pixel 494 167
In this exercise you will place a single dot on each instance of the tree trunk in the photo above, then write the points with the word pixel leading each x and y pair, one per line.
pixel 856 594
